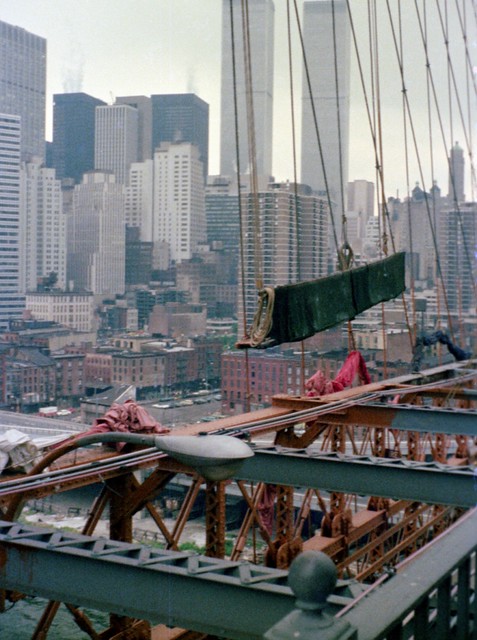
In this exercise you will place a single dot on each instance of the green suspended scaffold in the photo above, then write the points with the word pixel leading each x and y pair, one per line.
pixel 294 312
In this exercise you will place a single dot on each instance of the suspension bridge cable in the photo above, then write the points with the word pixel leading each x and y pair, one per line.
pixel 372 127
pixel 295 182
pixel 419 161
pixel 453 83
pixel 468 76
pixel 344 237
pixel 239 198
pixel 252 146
pixel 408 193
pixel 441 126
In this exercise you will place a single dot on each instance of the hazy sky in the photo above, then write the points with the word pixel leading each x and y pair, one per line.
pixel 109 48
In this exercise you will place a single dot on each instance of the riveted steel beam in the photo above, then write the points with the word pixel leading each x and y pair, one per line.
pixel 219 597
pixel 390 478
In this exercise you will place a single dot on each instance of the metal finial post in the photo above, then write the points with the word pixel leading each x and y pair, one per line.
pixel 312 578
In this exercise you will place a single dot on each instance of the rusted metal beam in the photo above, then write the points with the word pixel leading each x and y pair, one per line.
pixel 424 419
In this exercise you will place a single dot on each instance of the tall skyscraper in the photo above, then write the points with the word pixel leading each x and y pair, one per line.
pixel 43 226
pixel 294 233
pixel 222 212
pixel 73 134
pixel 179 199
pixel 456 174
pixel 261 28
pixel 23 85
pixel 143 105
pixel 181 117
pixel 116 139
pixel 138 206
pixel 412 230
pixel 457 239
pixel 318 27
pixel 12 302
pixel 96 235
pixel 361 197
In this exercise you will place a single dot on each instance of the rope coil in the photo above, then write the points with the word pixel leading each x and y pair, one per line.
pixel 261 326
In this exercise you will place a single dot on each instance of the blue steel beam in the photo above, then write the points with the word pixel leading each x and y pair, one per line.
pixel 219 597
pixel 432 482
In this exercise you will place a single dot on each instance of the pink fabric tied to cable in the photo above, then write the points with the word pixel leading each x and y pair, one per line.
pixel 127 418
pixel 320 385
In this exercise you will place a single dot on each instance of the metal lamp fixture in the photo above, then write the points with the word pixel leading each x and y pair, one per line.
pixel 214 457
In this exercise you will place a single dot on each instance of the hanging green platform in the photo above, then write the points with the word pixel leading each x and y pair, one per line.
pixel 290 313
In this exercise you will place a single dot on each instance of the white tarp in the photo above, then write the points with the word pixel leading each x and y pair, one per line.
pixel 17 450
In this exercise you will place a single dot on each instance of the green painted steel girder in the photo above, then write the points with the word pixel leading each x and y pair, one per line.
pixel 390 478
pixel 219 597
pixel 179 589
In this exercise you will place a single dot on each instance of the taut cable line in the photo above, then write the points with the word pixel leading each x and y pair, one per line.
pixel 408 194
pixel 466 129
pixel 432 167
pixel 344 236
pixel 295 182
pixel 239 199
pixel 371 123
pixel 419 162
pixel 252 145
pixel 468 76
pixel 446 146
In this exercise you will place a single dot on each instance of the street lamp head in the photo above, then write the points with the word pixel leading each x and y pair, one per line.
pixel 215 457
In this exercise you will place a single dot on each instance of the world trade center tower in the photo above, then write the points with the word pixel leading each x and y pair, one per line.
pixel 328 58
pixel 260 25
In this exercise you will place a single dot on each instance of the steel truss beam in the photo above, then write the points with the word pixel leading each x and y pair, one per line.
pixel 410 418
pixel 431 482
pixel 404 417
pixel 218 597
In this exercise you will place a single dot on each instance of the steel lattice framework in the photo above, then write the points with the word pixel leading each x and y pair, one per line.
pixel 386 466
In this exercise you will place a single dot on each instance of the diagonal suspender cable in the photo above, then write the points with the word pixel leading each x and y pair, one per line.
pixel 371 124
pixel 292 113
pixel 295 182
pixel 470 77
pixel 252 146
pixel 237 158
pixel 383 209
pixel 408 192
pixel 338 121
pixel 431 164
pixel 419 161
pixel 453 83
pixel 239 199
pixel 441 126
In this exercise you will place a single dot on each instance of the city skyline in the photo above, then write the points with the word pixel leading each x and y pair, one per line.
pixel 159 53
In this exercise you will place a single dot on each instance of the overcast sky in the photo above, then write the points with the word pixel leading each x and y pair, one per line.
pixel 109 48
